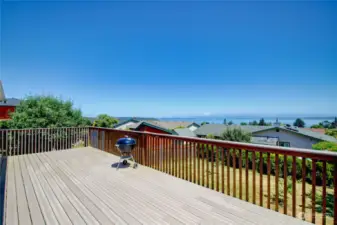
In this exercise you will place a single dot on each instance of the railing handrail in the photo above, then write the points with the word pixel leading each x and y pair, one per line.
pixel 299 152
pixel 40 128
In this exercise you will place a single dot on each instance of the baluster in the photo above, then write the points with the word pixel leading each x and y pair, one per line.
pixel 217 167
pixel 247 177
pixel 207 166
pixel 223 170
pixel 240 173
pixel 190 155
pixel 199 146
pixel 276 181
pixel 313 198
pixel 285 172
pixel 3 150
pixel 324 193
pixel 203 165
pixel 268 177
pixel 294 187
pixel 194 161
pixel 335 193
pixel 234 172
pixel 212 166
pixel 228 172
pixel 176 158
pixel 167 141
pixel 254 176
pixel 261 179
pixel 15 147
pixel 18 142
pixel 185 160
pixel 303 187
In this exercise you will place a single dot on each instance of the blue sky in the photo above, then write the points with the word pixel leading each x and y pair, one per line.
pixel 174 58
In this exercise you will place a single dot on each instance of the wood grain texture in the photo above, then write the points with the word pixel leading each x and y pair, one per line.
pixel 75 187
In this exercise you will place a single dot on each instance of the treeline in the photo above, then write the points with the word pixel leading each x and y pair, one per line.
pixel 51 112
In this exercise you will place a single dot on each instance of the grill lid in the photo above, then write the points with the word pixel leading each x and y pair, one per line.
pixel 126 141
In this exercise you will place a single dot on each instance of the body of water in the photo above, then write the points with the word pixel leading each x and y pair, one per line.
pixel 309 121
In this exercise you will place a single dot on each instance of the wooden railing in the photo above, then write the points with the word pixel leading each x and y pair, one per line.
pixel 297 182
pixel 26 141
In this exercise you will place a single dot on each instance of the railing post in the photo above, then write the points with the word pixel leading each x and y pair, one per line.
pixel 144 147
pixel 335 194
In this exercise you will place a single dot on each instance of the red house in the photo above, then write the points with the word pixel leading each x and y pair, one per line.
pixel 8 106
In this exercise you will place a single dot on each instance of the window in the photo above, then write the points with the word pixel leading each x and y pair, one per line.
pixel 284 144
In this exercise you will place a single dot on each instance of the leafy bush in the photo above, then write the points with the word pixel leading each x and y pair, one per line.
pixel 329 204
pixel 210 136
pixel 236 134
pixel 45 112
pixel 325 145
pixel 332 132
pixel 105 120
pixel 207 149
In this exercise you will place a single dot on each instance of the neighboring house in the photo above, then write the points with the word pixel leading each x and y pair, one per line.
pixel 133 124
pixel 271 135
pixel 175 124
pixel 185 132
pixel 156 126
pixel 126 124
pixel 8 106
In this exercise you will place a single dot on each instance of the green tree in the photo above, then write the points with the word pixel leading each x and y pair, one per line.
pixel 236 134
pixel 254 123
pixel 224 121
pixel 210 136
pixel 331 132
pixel 320 125
pixel 87 122
pixel 262 122
pixel 325 145
pixel 45 112
pixel 4 124
pixel 299 123
pixel 243 124
pixel 105 120
pixel 203 123
pixel 230 123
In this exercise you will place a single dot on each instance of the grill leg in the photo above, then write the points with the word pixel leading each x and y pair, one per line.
pixel 134 162
pixel 120 160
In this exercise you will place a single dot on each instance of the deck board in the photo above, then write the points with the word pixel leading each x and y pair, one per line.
pixel 80 186
pixel 23 210
pixel 34 207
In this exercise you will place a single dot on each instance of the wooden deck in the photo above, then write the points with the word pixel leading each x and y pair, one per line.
pixel 81 186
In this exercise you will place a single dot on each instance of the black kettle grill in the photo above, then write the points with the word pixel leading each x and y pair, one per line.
pixel 125 146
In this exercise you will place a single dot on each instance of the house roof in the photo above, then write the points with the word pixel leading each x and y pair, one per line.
pixel 121 119
pixel 319 130
pixel 171 124
pixel 218 129
pixel 185 132
pixel 146 123
pixel 127 121
pixel 11 102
